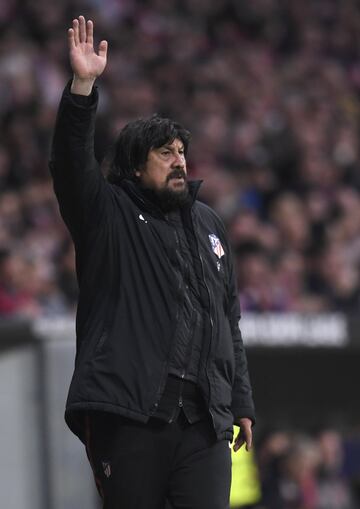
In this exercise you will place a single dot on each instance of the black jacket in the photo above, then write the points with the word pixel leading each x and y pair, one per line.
pixel 130 299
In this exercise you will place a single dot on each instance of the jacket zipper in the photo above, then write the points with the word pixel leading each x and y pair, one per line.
pixel 210 317
pixel 194 320
pixel 163 381
pixel 180 399
pixel 211 335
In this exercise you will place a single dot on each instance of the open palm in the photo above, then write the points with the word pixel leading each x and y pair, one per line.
pixel 85 62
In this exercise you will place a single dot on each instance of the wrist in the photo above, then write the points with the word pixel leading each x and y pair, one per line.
pixel 81 86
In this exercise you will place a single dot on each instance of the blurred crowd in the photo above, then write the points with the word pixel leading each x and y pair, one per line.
pixel 302 471
pixel 268 88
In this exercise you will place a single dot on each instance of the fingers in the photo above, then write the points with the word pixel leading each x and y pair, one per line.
pixel 71 38
pixel 82 32
pixel 247 435
pixel 103 46
pixel 75 29
pixel 248 439
pixel 90 32
pixel 82 29
pixel 244 437
pixel 239 442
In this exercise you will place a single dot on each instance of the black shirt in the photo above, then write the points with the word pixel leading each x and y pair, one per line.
pixel 181 395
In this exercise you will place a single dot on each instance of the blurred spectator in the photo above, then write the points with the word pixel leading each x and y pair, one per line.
pixel 16 297
pixel 302 472
pixel 333 490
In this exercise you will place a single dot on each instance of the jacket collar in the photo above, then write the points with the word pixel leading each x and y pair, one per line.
pixel 145 203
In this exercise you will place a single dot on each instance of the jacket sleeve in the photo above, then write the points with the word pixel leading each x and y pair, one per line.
pixel 78 182
pixel 242 400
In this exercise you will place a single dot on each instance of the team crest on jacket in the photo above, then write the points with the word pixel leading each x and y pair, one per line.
pixel 107 468
pixel 216 245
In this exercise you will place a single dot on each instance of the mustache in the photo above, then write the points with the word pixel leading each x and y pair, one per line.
pixel 178 173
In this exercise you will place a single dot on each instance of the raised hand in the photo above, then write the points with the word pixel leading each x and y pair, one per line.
pixel 86 64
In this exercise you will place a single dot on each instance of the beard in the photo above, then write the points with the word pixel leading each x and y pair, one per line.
pixel 170 200
pixel 166 198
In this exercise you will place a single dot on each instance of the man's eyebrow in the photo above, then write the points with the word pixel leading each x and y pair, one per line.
pixel 170 147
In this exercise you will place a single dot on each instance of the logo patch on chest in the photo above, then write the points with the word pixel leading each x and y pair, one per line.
pixel 216 245
pixel 107 468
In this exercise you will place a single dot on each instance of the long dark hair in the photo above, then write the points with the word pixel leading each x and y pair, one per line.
pixel 131 148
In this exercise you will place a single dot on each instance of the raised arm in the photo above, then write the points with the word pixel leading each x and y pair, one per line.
pixel 78 182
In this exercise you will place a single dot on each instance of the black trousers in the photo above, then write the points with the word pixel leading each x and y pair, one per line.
pixel 141 466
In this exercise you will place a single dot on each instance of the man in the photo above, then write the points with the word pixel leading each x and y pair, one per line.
pixel 160 370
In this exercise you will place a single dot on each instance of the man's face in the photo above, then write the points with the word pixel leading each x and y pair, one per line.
pixel 165 169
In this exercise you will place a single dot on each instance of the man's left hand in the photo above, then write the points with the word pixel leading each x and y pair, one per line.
pixel 245 434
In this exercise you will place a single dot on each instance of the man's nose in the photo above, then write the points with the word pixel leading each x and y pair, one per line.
pixel 179 161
